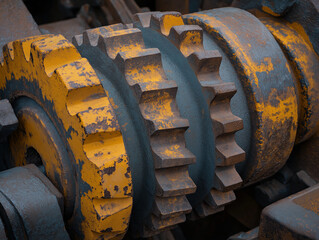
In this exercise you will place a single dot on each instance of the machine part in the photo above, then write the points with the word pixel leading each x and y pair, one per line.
pixel 152 127
pixel 67 121
pixel 302 14
pixel 305 63
pixel 265 85
pixel 16 22
pixel 250 235
pixel 217 95
pixel 295 217
pixel 8 120
pixel 79 3
pixel 27 198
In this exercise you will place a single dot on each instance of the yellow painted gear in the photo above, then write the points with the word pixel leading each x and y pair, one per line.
pixel 47 71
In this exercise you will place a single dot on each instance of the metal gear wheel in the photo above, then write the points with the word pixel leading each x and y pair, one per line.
pixel 67 120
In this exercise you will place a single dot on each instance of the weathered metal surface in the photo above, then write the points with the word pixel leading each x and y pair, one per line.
pixel 295 217
pixel 8 120
pixel 82 149
pixel 123 51
pixel 302 14
pixel 217 94
pixel 16 22
pixel 268 83
pixel 305 63
pixel 30 206
pixel 122 10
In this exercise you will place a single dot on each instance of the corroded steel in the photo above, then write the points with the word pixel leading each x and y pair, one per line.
pixel 295 217
pixel 205 64
pixel 141 67
pixel 305 63
pixel 67 119
pixel 268 84
pixel 30 216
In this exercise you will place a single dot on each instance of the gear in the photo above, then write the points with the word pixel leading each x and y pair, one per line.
pixel 66 118
pixel 189 40
pixel 142 69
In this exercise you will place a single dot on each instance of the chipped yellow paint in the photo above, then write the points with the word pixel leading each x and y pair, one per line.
pixel 67 81
pixel 192 42
pixel 169 21
pixel 305 63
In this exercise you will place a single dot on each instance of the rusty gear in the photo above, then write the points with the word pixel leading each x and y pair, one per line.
pixel 67 120
pixel 188 39
pixel 141 67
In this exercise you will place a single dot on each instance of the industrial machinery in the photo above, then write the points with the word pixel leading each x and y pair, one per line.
pixel 141 128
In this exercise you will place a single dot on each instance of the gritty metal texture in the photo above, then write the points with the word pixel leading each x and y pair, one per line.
pixel 66 118
pixel 141 67
pixel 295 217
pixel 27 198
pixel 8 120
pixel 268 83
pixel 302 14
pixel 16 22
pixel 305 63
pixel 188 39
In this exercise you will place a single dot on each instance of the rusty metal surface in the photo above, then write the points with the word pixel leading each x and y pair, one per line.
pixel 16 22
pixel 268 84
pixel 212 194
pixel 149 98
pixel 30 206
pixel 295 217
pixel 305 63
pixel 303 14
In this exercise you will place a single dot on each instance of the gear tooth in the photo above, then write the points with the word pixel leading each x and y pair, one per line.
pixel 91 36
pixel 164 21
pixel 179 205
pixel 50 51
pixel 227 178
pixel 156 223
pixel 228 151
pixel 122 41
pixel 7 51
pixel 206 65
pixel 165 157
pixel 218 199
pixel 77 40
pixel 144 63
pixel 187 38
pixel 204 210
pixel 120 206
pixel 143 19
pixel 173 182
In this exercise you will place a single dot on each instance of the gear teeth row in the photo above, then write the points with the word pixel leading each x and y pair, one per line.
pixel 156 96
pixel 81 105
pixel 189 40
